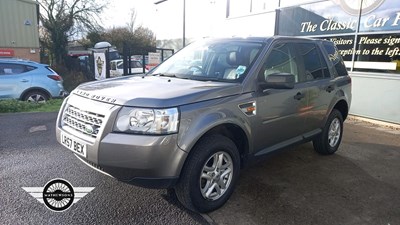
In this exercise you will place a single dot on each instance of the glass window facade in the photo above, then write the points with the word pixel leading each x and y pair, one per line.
pixel 378 53
pixel 366 32
pixel 320 18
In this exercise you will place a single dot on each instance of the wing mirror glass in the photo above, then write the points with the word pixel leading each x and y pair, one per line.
pixel 278 81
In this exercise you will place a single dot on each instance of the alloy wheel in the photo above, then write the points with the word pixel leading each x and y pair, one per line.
pixel 334 132
pixel 216 176
pixel 37 98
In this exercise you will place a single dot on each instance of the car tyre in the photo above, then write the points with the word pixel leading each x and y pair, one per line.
pixel 209 175
pixel 36 97
pixel 329 140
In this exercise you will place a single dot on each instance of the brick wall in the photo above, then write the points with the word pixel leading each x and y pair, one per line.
pixel 27 53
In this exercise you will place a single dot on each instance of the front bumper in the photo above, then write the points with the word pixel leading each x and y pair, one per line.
pixel 147 161
pixel 152 161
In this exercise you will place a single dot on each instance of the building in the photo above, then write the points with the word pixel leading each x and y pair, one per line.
pixel 367 33
pixel 19 35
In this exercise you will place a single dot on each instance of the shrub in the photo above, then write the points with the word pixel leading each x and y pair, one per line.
pixel 72 78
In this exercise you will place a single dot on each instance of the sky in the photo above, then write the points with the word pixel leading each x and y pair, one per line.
pixel 166 19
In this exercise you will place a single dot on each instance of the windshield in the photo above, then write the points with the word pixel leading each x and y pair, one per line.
pixel 220 60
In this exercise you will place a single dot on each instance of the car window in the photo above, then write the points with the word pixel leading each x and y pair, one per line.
pixel 336 59
pixel 212 60
pixel 29 68
pixel 11 69
pixel 136 64
pixel 315 67
pixel 282 59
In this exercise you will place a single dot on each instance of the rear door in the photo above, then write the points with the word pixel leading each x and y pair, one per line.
pixel 280 111
pixel 320 85
pixel 14 79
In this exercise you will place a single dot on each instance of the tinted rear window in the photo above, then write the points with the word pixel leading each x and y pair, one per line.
pixel 14 68
pixel 335 58
pixel 50 69
pixel 315 66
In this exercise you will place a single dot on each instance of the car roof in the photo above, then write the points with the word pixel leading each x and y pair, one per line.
pixel 266 39
pixel 244 39
pixel 21 61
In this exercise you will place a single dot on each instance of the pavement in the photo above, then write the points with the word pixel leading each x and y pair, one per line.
pixel 360 184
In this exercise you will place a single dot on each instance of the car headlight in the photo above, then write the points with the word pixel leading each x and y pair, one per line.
pixel 147 121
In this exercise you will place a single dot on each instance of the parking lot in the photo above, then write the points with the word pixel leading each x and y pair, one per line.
pixel 358 185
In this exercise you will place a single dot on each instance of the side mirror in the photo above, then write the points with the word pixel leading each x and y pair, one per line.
pixel 278 81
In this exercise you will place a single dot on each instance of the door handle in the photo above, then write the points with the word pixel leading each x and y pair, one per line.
pixel 24 80
pixel 330 88
pixel 299 96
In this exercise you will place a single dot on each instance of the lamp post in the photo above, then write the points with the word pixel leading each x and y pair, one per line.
pixel 184 21
pixel 184 18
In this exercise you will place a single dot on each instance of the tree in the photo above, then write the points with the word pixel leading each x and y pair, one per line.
pixel 141 37
pixel 144 37
pixel 92 37
pixel 132 22
pixel 175 44
pixel 62 19
pixel 117 37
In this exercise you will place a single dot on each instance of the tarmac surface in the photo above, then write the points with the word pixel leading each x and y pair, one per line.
pixel 360 184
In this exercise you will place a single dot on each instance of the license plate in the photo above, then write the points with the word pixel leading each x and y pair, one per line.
pixel 73 144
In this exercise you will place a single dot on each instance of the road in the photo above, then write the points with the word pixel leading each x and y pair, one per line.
pixel 358 185
pixel 30 157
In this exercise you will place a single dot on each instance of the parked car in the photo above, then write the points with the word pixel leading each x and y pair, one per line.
pixel 117 67
pixel 206 112
pixel 29 81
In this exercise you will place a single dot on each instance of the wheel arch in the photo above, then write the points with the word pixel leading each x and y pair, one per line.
pixel 35 89
pixel 232 131
pixel 343 108
pixel 236 134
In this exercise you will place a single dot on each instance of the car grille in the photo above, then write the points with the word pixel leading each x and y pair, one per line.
pixel 85 122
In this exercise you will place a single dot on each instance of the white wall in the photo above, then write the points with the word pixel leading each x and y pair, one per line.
pixel 376 96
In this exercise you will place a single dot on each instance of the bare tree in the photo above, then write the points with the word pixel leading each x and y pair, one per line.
pixel 63 18
pixel 132 20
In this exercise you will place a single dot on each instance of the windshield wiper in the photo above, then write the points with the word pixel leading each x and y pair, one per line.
pixel 203 78
pixel 170 75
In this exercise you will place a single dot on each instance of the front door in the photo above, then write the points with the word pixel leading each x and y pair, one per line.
pixel 280 112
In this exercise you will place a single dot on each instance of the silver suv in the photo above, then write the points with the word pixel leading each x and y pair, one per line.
pixel 194 121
